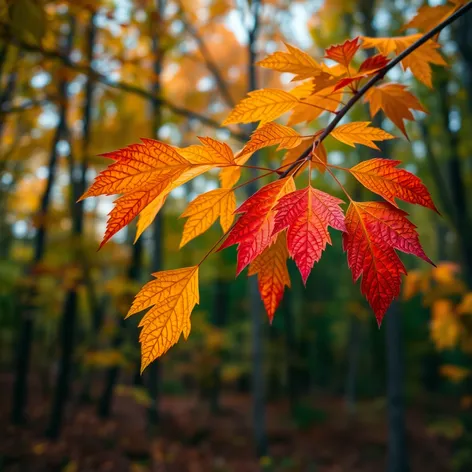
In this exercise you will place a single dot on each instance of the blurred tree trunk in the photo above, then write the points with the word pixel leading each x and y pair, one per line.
pixel 353 349
pixel 255 305
pixel 105 402
pixel 290 349
pixel 5 95
pixel 220 315
pixel 154 370
pixel 397 460
pixel 25 341
pixel 78 176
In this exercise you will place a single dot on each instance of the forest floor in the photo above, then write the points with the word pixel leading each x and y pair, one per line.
pixel 192 439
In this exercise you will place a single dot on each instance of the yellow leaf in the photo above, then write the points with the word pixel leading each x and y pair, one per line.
pixel 264 105
pixel 419 61
pixel 146 217
pixel 445 326
pixel 229 176
pixel 304 90
pixel 205 209
pixel 270 134
pixel 172 297
pixel 212 152
pixel 427 17
pixel 312 107
pixel 294 61
pixel 359 132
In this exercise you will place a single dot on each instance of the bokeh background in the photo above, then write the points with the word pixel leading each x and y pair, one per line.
pixel 322 389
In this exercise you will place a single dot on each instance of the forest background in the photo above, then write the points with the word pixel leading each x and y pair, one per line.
pixel 322 388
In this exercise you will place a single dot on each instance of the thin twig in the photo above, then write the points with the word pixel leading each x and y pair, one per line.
pixel 124 86
pixel 378 77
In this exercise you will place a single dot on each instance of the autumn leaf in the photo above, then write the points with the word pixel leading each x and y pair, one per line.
pixel 295 61
pixel 312 107
pixel 138 167
pixel 319 156
pixel 419 61
pixel 382 177
pixel 212 152
pixel 253 230
pixel 171 299
pixel 307 214
pixel 147 216
pixel 359 132
pixel 146 173
pixel 428 17
pixel 370 66
pixel 229 176
pixel 205 209
pixel 272 274
pixel 271 134
pixel 343 53
pixel 373 231
pixel 262 105
pixel 395 101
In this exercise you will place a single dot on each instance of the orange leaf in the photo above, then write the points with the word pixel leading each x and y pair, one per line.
pixel 146 173
pixel 294 61
pixel 253 230
pixel 270 134
pixel 382 177
pixel 264 105
pixel 427 17
pixel 374 231
pixel 172 297
pixel 229 176
pixel 205 209
pixel 395 101
pixel 312 107
pixel 343 53
pixel 359 132
pixel 419 61
pixel 272 274
pixel 307 214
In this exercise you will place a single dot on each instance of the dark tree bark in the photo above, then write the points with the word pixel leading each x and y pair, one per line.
pixel 78 174
pixel 19 399
pixel 255 305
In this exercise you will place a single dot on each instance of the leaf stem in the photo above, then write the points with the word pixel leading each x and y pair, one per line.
pixel 379 76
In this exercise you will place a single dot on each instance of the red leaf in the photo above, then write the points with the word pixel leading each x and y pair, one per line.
pixel 343 53
pixel 374 231
pixel 272 274
pixel 253 230
pixel 307 214
pixel 382 177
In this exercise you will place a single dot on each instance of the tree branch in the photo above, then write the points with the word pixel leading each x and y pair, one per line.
pixel 210 64
pixel 126 87
pixel 377 78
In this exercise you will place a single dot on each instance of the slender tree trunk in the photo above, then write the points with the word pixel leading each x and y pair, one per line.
pixel 220 308
pixel 397 448
pixel 154 370
pixel 25 341
pixel 69 314
pixel 255 305
pixel 291 350
pixel 105 403
pixel 355 331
